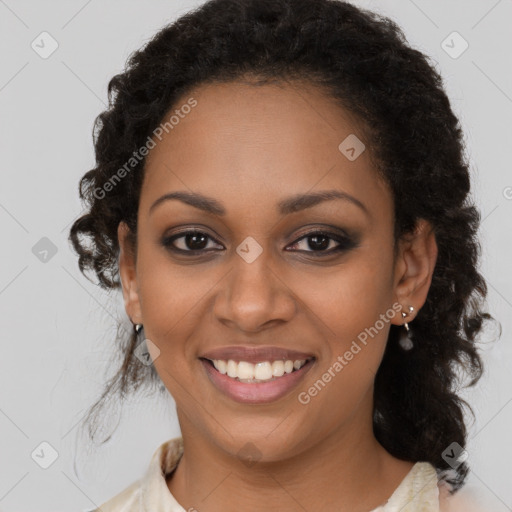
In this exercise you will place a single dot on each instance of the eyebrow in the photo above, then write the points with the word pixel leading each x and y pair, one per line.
pixel 286 206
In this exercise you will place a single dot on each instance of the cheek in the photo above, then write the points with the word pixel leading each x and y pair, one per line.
pixel 168 291
pixel 351 309
pixel 349 296
pixel 167 302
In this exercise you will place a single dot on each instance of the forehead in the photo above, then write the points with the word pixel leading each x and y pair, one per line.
pixel 253 144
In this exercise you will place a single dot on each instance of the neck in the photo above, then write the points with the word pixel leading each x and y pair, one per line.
pixel 346 470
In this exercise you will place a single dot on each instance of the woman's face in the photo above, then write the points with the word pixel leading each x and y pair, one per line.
pixel 262 275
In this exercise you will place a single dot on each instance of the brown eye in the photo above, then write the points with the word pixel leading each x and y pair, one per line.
pixel 320 241
pixel 193 241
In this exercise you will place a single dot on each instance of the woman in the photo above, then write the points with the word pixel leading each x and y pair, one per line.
pixel 282 194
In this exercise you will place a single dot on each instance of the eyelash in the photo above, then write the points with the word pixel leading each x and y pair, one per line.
pixel 345 243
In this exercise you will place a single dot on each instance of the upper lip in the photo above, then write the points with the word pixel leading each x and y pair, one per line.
pixel 255 354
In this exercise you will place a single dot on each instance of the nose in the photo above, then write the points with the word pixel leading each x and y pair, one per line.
pixel 253 296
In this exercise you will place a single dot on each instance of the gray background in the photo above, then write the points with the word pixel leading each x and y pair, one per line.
pixel 58 328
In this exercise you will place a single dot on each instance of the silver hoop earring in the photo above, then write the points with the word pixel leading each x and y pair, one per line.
pixel 405 340
pixel 137 328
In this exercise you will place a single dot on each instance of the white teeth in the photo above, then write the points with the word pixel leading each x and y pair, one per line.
pixel 232 369
pixel 221 366
pixel 278 368
pixel 288 366
pixel 245 370
pixel 262 371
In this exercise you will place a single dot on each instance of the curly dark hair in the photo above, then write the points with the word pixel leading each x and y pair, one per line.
pixel 363 61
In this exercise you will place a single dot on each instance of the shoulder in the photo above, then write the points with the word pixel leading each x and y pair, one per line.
pixel 424 488
pixel 150 491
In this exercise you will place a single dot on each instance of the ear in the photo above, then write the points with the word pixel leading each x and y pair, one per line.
pixel 414 267
pixel 128 274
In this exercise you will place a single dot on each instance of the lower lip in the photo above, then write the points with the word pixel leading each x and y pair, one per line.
pixel 258 392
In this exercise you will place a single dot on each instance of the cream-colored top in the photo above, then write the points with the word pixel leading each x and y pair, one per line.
pixel 419 491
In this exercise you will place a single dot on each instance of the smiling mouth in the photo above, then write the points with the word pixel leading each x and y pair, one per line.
pixel 263 371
